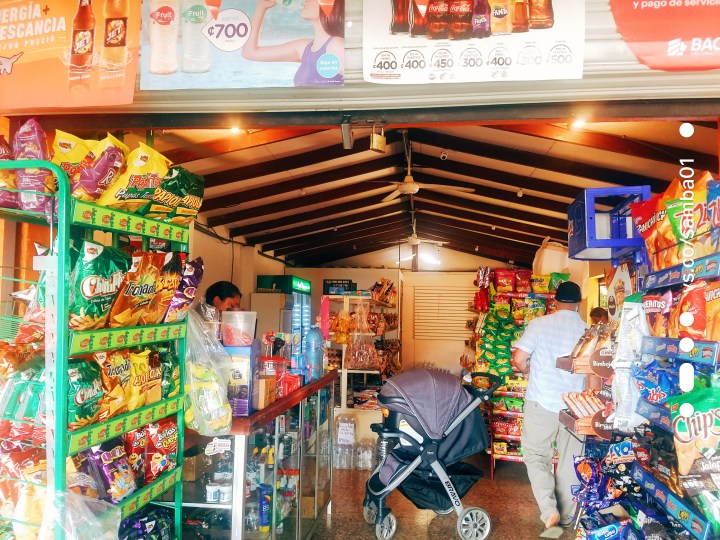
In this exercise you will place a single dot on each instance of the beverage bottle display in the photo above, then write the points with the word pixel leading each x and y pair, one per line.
pixel 400 23
pixel 437 19
pixel 541 14
pixel 195 46
pixel 418 22
pixel 460 15
pixel 501 20
pixel 314 350
pixel 482 14
pixel 114 47
pixel 520 13
pixel 164 29
pixel 83 37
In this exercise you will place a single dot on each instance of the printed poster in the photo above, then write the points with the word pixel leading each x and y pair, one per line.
pixel 671 35
pixel 553 52
pixel 62 53
pixel 216 44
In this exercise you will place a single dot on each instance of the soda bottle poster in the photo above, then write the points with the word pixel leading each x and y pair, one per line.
pixel 68 53
pixel 671 35
pixel 215 44
pixel 461 41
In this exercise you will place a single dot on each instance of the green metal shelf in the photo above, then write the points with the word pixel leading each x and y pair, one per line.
pixel 103 339
pixel 145 495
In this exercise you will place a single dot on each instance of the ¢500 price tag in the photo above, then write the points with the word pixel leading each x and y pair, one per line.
pixel 229 31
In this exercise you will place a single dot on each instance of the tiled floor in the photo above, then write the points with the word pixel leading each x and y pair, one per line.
pixel 508 500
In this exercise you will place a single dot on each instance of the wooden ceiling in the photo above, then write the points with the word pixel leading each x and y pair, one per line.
pixel 297 194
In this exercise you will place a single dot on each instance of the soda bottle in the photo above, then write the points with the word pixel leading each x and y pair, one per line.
pixel 437 19
pixel 400 23
pixel 460 14
pixel 83 37
pixel 481 19
pixel 164 26
pixel 196 47
pixel 114 51
pixel 541 14
pixel 418 22
pixel 501 20
pixel 520 16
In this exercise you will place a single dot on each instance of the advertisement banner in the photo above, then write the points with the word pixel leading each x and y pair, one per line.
pixel 672 35
pixel 61 53
pixel 214 44
pixel 442 41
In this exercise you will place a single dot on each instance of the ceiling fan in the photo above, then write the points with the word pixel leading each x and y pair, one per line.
pixel 409 187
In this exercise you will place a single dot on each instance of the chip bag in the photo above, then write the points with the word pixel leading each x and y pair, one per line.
pixel 93 178
pixel 522 281
pixel 8 199
pixel 185 294
pixel 84 394
pixel 95 282
pixel 167 284
pixel 192 188
pixel 162 447
pixel 115 376
pixel 135 444
pixel 136 393
pixel 556 278
pixel 540 283
pixel 690 300
pixel 110 465
pixel 657 305
pixel 712 310
pixel 30 143
pixel 153 387
pixel 138 289
pixel 170 365
pixel 70 153
pixel 504 280
pixel 166 198
pixel 135 187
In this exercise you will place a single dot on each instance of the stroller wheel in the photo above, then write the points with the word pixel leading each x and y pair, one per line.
pixel 473 524
pixel 370 513
pixel 385 530
pixel 444 512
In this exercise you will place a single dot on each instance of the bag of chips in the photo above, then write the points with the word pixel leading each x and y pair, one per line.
pixel 135 187
pixel 8 199
pixel 540 283
pixel 137 290
pixel 185 294
pixel 93 178
pixel 84 394
pixel 504 280
pixel 30 143
pixel 712 310
pixel 110 465
pixel 135 445
pixel 153 387
pixel 657 305
pixel 136 393
pixel 522 281
pixel 556 278
pixel 691 299
pixel 70 153
pixel 95 282
pixel 192 188
pixel 162 447
pixel 170 364
pixel 115 374
pixel 167 284
pixel 166 197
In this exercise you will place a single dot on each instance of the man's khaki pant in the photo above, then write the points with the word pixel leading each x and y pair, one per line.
pixel 552 491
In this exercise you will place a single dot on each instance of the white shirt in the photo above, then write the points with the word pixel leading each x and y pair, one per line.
pixel 546 338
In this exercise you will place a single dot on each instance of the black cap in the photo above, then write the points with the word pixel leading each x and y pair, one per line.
pixel 568 292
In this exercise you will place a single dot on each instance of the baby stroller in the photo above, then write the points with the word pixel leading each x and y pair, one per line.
pixel 433 422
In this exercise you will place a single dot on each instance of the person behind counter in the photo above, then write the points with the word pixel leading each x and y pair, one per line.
pixel 599 315
pixel 220 296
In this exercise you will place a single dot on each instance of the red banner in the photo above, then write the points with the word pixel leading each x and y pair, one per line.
pixel 64 54
pixel 672 35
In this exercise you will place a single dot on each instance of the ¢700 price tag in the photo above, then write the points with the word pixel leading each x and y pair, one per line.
pixel 230 31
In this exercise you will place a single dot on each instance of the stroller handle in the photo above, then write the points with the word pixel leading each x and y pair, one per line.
pixel 484 394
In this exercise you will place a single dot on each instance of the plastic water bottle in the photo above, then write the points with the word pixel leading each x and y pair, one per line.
pixel 196 47
pixel 314 349
pixel 164 26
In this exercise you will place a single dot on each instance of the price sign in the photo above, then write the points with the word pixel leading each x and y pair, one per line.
pixel 230 31
pixel 471 59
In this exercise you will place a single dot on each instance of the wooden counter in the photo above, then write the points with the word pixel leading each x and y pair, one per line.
pixel 246 425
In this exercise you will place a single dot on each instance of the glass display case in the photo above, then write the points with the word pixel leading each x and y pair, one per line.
pixel 270 478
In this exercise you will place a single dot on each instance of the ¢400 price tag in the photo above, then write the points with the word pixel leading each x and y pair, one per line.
pixel 229 31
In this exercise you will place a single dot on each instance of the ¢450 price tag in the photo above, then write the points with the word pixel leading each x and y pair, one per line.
pixel 229 31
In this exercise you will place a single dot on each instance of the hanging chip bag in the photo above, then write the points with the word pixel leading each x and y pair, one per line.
pixel 30 143
pixel 8 199
pixel 115 376
pixel 95 282
pixel 71 153
pixel 170 365
pixel 137 388
pixel 192 188
pixel 185 294
pixel 135 187
pixel 92 178
pixel 165 198
pixel 84 394
pixel 162 447
pixel 135 444
pixel 167 284
pixel 110 464
pixel 138 289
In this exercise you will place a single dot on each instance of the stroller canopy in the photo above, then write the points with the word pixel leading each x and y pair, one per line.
pixel 434 398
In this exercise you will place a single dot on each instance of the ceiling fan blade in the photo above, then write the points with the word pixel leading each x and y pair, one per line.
pixel 442 187
pixel 394 195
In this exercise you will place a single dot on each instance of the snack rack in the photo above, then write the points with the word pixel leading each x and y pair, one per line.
pixel 61 343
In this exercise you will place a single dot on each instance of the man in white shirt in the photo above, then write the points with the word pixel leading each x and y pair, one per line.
pixel 546 338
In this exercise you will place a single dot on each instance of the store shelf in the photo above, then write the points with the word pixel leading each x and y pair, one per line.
pixel 516 458
pixel 505 393
pixel 657 414
pixel 146 494
pixel 22 216
pixel 108 219
pixel 95 434
pixel 358 299
pixel 678 508
pixel 366 371
pixel 502 437
pixel 705 267
pixel 509 414
pixel 115 338
pixel 524 295
pixel 703 352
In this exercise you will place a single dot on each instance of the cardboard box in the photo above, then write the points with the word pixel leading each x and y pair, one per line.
pixel 194 464
pixel 266 391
